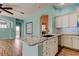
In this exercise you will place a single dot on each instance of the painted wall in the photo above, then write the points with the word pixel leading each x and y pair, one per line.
pixel 36 28
pixel 36 20
pixel 8 33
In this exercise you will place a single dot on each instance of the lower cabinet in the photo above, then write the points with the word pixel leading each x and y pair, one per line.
pixel 67 40
pixel 70 41
pixel 50 47
pixel 76 42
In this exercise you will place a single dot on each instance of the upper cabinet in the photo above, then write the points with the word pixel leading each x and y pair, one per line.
pixel 64 21
pixel 58 22
pixel 72 20
pixel 68 20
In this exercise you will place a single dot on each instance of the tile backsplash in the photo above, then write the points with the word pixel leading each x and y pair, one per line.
pixel 73 30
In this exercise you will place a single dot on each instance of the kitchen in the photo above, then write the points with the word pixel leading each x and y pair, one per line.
pixel 45 29
pixel 65 31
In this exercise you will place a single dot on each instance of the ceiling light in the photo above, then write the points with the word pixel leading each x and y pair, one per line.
pixel 62 3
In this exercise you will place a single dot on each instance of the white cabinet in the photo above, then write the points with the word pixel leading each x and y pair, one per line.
pixel 76 42
pixel 64 21
pixel 68 20
pixel 67 41
pixel 50 47
pixel 72 20
pixel 70 41
pixel 58 22
pixel 74 39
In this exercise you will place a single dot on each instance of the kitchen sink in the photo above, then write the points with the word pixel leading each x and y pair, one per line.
pixel 48 35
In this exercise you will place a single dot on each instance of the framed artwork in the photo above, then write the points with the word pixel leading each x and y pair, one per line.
pixel 29 28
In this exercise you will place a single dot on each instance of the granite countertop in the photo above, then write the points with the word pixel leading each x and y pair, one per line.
pixel 31 41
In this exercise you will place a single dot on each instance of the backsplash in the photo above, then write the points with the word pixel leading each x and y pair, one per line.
pixel 73 30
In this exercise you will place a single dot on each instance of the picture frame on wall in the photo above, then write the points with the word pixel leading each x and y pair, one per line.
pixel 29 28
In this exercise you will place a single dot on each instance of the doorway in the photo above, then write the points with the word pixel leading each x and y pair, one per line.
pixel 44 24
pixel 18 31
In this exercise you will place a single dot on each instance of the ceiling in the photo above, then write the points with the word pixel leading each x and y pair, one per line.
pixel 28 8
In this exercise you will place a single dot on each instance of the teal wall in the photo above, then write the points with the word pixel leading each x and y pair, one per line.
pixel 36 28
pixel 29 50
pixel 8 33
pixel 36 20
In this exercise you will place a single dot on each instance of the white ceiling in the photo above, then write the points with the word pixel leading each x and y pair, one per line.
pixel 28 9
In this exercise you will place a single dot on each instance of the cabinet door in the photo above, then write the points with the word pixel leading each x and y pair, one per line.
pixel 74 40
pixel 58 22
pixel 67 41
pixel 65 21
pixel 78 43
pixel 73 20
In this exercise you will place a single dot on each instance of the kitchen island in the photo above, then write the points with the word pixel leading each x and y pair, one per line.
pixel 46 45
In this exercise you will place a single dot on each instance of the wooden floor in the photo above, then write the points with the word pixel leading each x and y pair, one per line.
pixel 10 47
pixel 68 52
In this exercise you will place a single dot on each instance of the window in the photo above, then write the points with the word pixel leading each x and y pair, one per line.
pixel 3 24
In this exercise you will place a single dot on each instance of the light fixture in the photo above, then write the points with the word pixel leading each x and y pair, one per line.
pixel 62 3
